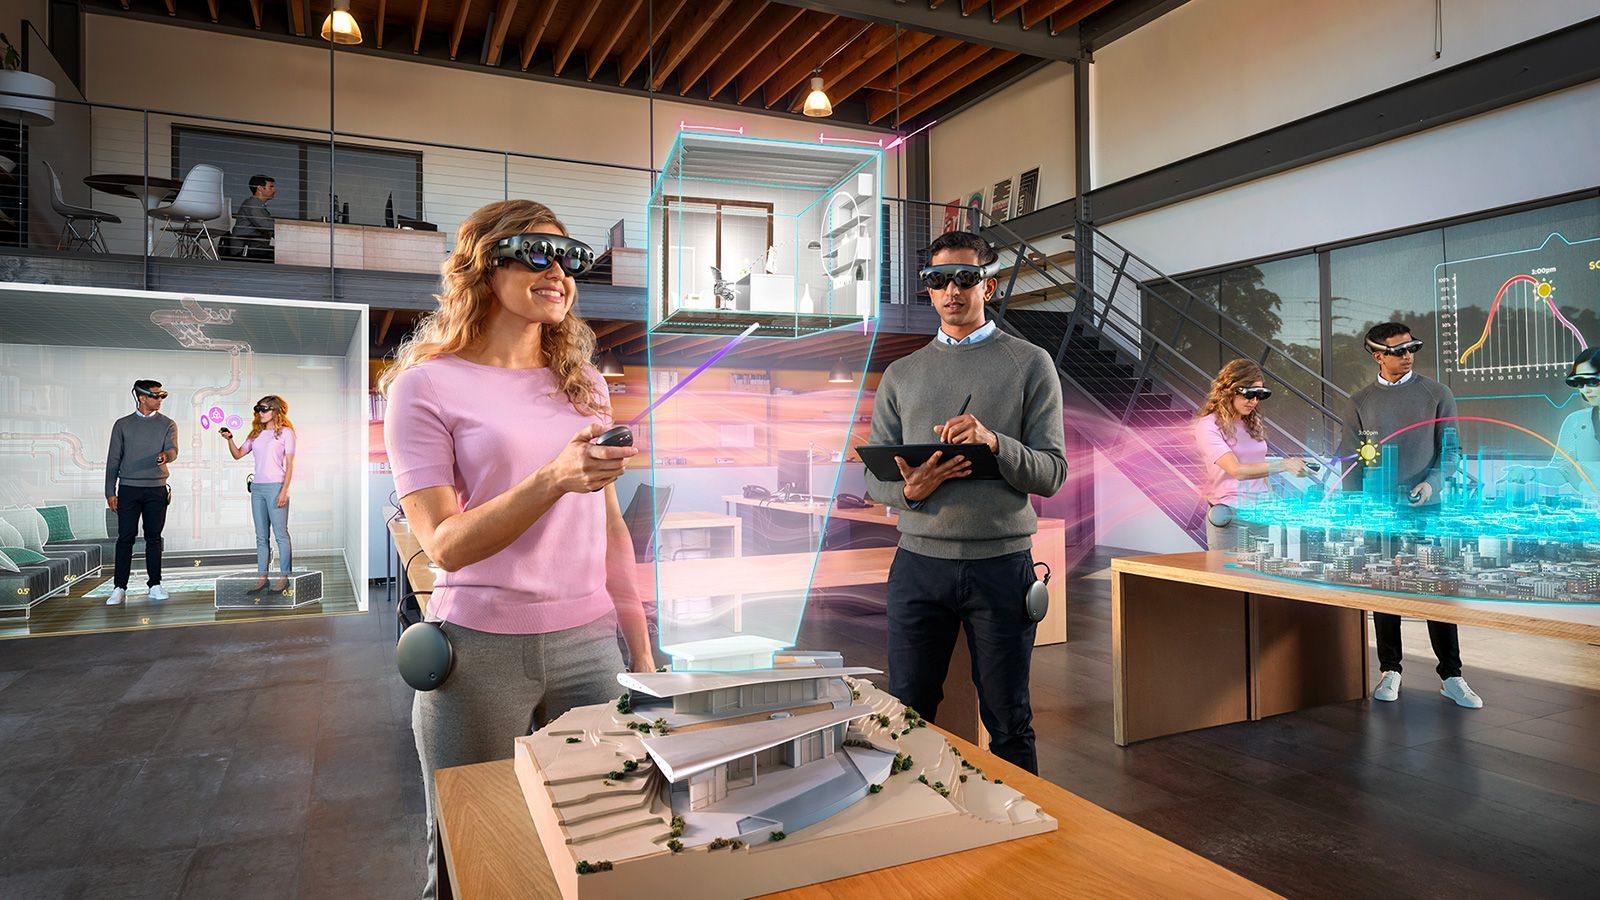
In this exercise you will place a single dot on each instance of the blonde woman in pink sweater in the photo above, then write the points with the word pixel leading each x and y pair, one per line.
pixel 493 407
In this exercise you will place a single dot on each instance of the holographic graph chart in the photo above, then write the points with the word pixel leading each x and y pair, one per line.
pixel 1516 316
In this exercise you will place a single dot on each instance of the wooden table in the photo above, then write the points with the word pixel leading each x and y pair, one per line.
pixel 1049 547
pixel 490 851
pixel 148 190
pixel 1196 643
pixel 371 247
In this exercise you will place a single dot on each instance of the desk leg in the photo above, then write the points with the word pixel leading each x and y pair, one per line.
pixel 1179 657
pixel 1304 654
pixel 446 890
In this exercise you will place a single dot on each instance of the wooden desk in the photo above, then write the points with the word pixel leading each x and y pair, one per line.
pixel 490 851
pixel 725 533
pixel 1197 644
pixel 1049 547
pixel 370 247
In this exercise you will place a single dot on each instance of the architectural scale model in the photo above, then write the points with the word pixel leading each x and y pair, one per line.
pixel 742 783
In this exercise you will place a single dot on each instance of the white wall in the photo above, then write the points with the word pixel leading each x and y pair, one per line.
pixel 130 63
pixel 1125 518
pixel 1214 71
pixel 1025 126
pixel 1540 148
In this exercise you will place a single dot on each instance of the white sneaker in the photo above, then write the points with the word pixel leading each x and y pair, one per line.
pixel 158 593
pixel 1456 689
pixel 1388 687
pixel 117 596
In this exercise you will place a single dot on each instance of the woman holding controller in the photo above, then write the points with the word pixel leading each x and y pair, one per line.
pixel 1231 437
pixel 494 409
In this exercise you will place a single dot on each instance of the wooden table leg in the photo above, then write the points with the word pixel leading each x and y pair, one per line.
pixel 1304 654
pixel 1179 657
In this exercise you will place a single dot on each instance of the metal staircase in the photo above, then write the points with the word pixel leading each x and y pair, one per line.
pixel 1129 388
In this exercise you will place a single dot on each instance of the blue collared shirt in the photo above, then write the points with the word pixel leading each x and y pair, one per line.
pixel 983 332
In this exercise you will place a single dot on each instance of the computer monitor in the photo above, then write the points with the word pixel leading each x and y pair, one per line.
pixel 794 472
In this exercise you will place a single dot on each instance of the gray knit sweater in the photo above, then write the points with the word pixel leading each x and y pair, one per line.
pixel 1379 411
pixel 135 442
pixel 1016 395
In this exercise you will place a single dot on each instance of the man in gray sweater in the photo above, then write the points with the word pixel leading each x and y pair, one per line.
pixel 965 554
pixel 1417 460
pixel 142 444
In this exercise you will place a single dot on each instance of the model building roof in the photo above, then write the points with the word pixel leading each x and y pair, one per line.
pixel 687 753
pixel 672 684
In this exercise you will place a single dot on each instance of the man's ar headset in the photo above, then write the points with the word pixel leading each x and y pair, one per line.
pixel 1411 348
pixel 157 394
pixel 539 251
pixel 966 277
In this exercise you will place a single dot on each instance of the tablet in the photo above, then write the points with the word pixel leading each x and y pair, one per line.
pixel 880 458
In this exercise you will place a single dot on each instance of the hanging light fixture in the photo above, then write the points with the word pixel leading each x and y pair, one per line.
pixel 340 27
pixel 610 364
pixel 841 373
pixel 818 106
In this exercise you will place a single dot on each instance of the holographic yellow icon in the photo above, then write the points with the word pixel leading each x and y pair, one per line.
pixel 1368 452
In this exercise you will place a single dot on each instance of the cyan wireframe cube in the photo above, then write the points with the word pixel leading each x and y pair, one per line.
pixel 764 291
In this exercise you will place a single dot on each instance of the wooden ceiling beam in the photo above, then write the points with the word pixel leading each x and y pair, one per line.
pixel 881 64
pixel 803 34
pixel 459 26
pixel 498 26
pixel 1036 11
pixel 718 42
pixel 417 28
pixel 1069 17
pixel 1002 8
pixel 867 45
pixel 775 21
pixel 255 13
pixel 925 100
pixel 575 29
pixel 383 9
pixel 601 329
pixel 968 7
pixel 608 38
pixel 666 15
pixel 689 33
pixel 297 16
pixel 913 63
pixel 383 329
pixel 881 104
pixel 536 29
pixel 799 49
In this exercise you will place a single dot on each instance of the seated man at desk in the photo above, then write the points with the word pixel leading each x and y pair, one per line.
pixel 965 554
pixel 253 226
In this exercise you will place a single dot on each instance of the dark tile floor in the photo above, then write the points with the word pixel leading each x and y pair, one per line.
pixel 274 759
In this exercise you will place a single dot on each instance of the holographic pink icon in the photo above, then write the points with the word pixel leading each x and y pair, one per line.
pixel 205 423
pixel 235 422
pixel 215 413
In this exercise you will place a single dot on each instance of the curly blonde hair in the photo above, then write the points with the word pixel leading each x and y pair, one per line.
pixel 280 422
pixel 467 299
pixel 1235 374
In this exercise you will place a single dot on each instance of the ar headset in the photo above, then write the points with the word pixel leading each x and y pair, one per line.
pixel 539 251
pixel 424 654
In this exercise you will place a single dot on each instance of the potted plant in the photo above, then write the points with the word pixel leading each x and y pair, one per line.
pixel 36 109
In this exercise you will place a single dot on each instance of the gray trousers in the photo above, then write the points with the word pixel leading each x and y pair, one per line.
pixel 504 686
pixel 269 516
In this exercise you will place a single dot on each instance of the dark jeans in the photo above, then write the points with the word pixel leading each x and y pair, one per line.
pixel 1446 644
pixel 929 599
pixel 133 504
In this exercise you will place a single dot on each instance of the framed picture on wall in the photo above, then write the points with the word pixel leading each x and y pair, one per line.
pixel 1027 193
pixel 975 210
pixel 1000 201
pixel 952 216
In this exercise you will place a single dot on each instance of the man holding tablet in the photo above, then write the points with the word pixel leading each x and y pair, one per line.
pixel 965 554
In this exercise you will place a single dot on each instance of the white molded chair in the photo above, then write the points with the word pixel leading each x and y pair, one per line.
pixel 71 237
pixel 191 215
